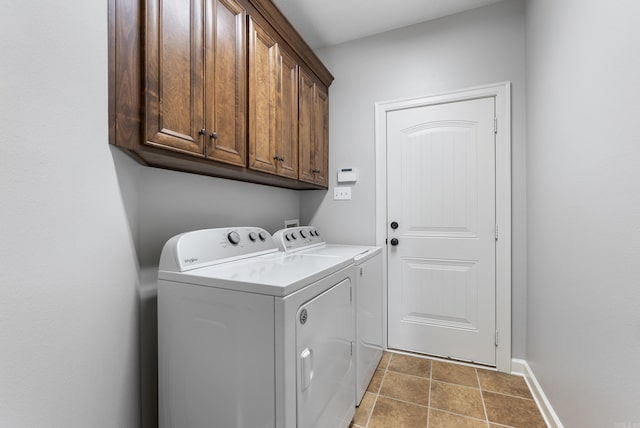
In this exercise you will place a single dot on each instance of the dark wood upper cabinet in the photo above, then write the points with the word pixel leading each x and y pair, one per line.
pixel 314 130
pixel 273 105
pixel 287 115
pixel 196 78
pixel 305 117
pixel 215 87
pixel 226 81
pixel 174 66
pixel 321 135
pixel 263 87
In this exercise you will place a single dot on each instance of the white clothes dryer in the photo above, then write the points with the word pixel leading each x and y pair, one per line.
pixel 368 293
pixel 250 337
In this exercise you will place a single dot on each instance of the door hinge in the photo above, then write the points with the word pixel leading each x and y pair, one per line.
pixel 350 294
pixel 496 231
pixel 495 125
pixel 497 337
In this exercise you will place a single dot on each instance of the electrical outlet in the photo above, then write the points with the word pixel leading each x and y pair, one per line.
pixel 341 193
pixel 291 223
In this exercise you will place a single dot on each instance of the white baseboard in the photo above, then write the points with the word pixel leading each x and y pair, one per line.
pixel 521 367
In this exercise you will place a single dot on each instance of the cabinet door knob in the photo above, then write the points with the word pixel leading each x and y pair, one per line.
pixel 281 158
pixel 214 135
pixel 394 241
pixel 203 132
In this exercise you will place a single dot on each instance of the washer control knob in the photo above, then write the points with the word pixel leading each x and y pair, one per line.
pixel 234 237
pixel 263 236
pixel 317 233
pixel 294 235
pixel 287 237
pixel 302 234
pixel 253 236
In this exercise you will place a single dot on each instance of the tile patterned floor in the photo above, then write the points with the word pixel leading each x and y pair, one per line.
pixel 414 392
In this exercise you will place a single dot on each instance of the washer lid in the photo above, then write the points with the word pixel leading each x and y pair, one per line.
pixel 276 274
pixel 336 250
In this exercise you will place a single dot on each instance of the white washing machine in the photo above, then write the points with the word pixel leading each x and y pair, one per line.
pixel 368 295
pixel 250 337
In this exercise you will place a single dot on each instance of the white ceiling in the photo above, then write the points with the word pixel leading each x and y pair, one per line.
pixel 330 22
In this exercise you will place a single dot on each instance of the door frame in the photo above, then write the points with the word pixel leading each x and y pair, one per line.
pixel 502 94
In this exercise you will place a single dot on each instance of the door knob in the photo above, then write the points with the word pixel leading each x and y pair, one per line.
pixel 394 241
pixel 394 225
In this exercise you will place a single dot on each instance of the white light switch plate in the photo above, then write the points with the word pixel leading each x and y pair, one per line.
pixel 341 193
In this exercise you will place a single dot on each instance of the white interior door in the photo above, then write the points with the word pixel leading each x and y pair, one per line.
pixel 441 192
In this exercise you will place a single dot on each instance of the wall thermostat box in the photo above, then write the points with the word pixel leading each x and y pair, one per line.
pixel 347 175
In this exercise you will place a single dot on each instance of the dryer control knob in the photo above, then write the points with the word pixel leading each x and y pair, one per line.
pixel 234 237
pixel 263 236
pixel 287 237
pixel 294 235
pixel 253 236
pixel 302 234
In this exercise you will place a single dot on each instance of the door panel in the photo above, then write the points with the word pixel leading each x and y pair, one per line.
pixel 441 191
pixel 448 294
pixel 441 161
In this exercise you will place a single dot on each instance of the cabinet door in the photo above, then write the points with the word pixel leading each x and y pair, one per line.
pixel 321 135
pixel 225 81
pixel 174 65
pixel 305 127
pixel 287 116
pixel 263 61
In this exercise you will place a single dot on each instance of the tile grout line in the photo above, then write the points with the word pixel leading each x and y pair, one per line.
pixel 430 383
pixel 484 406
pixel 409 374
pixel 459 414
pixel 508 395
pixel 424 406
pixel 375 401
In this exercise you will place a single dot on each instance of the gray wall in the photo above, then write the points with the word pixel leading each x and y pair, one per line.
pixel 583 157
pixel 82 226
pixel 474 48
pixel 69 338
pixel 174 202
